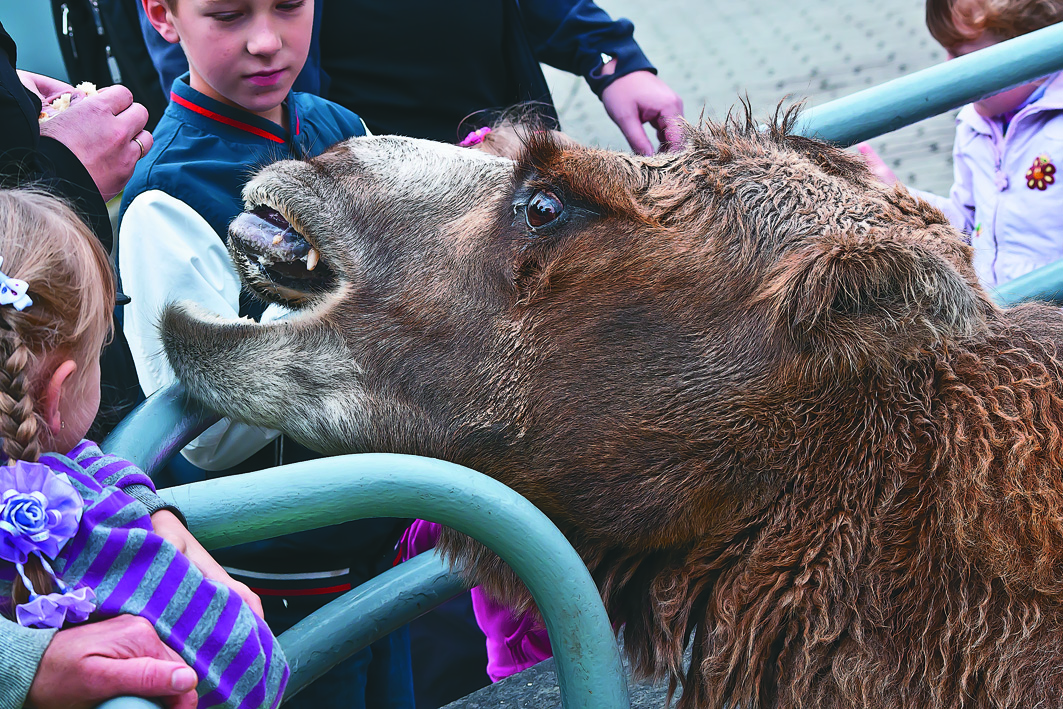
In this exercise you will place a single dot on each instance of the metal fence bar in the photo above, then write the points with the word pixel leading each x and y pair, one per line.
pixel 129 703
pixel 354 620
pixel 259 505
pixel 908 99
pixel 167 421
pixel 158 428
pixel 1044 283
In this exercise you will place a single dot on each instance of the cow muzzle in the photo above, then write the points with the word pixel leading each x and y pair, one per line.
pixel 278 261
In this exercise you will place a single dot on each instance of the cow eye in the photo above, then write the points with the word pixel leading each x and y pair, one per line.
pixel 543 208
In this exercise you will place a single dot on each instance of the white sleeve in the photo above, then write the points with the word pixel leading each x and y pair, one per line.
pixel 168 252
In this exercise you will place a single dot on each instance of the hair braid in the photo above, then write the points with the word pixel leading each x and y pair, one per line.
pixel 18 430
pixel 18 421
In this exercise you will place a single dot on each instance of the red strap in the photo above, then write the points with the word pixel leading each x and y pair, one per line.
pixel 301 591
pixel 225 119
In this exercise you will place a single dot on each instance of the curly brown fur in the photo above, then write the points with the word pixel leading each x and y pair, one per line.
pixel 762 395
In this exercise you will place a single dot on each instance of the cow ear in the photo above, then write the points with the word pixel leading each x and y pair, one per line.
pixel 857 299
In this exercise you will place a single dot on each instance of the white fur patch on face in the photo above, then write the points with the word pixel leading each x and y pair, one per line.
pixel 418 169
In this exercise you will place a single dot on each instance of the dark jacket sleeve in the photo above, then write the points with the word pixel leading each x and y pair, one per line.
pixel 572 35
pixel 27 158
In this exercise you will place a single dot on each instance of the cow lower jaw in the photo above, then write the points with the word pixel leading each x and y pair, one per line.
pixel 278 262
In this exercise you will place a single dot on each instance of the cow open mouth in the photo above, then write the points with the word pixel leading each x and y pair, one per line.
pixel 277 257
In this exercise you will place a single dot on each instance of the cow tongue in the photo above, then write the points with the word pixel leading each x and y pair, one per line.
pixel 267 237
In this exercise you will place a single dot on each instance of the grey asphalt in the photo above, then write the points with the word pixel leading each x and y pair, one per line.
pixel 712 52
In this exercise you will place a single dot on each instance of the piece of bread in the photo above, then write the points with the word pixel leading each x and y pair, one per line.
pixel 62 102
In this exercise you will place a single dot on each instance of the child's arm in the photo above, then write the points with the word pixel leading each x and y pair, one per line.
pixel 579 37
pixel 166 520
pixel 169 527
pixel 237 659
pixel 958 208
pixel 168 252
pixel 961 196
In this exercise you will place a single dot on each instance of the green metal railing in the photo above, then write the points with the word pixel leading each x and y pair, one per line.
pixel 922 94
pixel 1044 283
pixel 158 429
pixel 380 606
pixel 263 504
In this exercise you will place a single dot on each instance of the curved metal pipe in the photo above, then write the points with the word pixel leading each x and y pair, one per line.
pixel 1044 283
pixel 353 621
pixel 263 504
pixel 922 94
pixel 158 428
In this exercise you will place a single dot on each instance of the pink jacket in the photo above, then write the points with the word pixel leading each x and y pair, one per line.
pixel 514 642
pixel 1008 194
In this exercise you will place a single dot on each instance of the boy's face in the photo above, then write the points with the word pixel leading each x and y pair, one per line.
pixel 1005 100
pixel 244 53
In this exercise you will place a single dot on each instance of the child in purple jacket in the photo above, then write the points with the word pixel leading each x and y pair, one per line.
pixel 76 543
pixel 1005 195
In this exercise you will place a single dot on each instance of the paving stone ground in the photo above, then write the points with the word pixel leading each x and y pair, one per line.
pixel 536 688
pixel 711 52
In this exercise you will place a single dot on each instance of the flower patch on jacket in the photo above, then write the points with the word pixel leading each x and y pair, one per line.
pixel 1041 174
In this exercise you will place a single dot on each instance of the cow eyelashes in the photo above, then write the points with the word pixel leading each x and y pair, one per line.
pixel 543 208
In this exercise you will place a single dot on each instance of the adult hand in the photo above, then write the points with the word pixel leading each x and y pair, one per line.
pixel 121 656
pixel 876 164
pixel 45 87
pixel 638 98
pixel 168 527
pixel 106 133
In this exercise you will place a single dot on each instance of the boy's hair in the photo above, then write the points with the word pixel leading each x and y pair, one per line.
pixel 953 22
pixel 43 242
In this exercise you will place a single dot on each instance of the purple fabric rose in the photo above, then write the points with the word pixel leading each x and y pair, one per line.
pixel 39 511
pixel 54 609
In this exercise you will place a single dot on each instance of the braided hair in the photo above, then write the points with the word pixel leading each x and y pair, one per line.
pixel 72 285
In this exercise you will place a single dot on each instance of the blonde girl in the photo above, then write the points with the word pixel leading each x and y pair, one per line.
pixel 83 536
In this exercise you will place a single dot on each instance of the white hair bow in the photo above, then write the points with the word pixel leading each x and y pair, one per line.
pixel 14 291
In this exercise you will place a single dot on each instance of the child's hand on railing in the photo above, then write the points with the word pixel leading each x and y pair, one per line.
pixel 876 164
pixel 169 527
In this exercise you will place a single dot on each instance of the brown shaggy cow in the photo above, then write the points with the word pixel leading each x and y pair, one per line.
pixel 761 394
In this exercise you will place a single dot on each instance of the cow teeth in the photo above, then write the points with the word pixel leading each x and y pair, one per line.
pixel 311 259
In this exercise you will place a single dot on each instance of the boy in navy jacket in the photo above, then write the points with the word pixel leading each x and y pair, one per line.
pixel 232 113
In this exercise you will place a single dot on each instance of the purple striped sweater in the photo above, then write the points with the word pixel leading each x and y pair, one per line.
pixel 133 570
